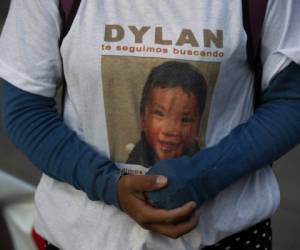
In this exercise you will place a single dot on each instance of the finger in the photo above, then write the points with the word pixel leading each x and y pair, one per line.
pixel 150 215
pixel 143 183
pixel 175 231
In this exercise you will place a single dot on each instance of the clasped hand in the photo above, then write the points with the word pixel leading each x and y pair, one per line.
pixel 133 201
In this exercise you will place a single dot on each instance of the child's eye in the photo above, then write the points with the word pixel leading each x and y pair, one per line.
pixel 158 112
pixel 187 120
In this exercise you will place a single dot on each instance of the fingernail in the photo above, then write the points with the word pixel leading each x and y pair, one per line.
pixel 161 180
pixel 193 204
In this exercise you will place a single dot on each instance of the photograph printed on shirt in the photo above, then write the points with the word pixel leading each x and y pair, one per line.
pixel 156 108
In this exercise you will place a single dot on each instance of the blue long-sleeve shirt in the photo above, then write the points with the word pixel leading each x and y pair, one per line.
pixel 34 125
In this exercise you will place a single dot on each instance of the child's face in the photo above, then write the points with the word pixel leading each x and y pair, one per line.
pixel 170 121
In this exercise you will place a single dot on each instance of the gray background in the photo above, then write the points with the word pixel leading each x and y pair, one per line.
pixel 286 221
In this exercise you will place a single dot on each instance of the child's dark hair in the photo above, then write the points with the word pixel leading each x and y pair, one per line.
pixel 174 74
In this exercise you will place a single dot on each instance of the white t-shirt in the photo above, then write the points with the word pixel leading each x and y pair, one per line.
pixel 106 56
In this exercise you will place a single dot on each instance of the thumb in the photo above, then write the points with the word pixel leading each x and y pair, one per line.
pixel 147 183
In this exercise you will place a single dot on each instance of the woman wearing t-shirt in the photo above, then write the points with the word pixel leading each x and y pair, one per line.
pixel 82 200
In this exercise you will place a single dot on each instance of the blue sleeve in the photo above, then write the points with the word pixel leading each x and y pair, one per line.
pixel 272 131
pixel 33 124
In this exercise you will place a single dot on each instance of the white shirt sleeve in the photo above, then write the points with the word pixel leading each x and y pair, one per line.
pixel 280 37
pixel 29 46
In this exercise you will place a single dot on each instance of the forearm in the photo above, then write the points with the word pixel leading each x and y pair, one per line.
pixel 271 132
pixel 33 124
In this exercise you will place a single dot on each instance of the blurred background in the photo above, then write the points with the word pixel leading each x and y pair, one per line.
pixel 286 221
